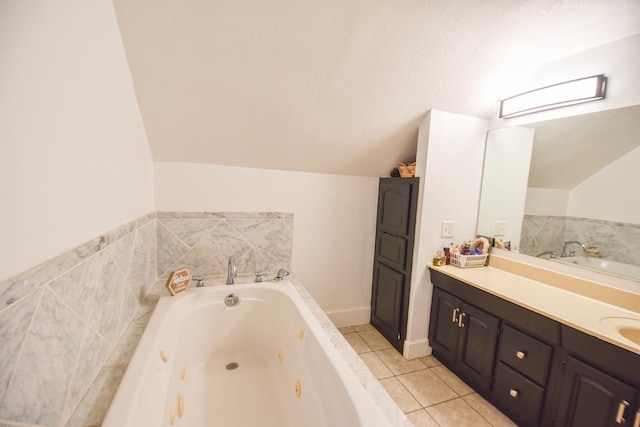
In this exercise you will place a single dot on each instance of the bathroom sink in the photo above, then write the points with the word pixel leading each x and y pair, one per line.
pixel 632 334
pixel 626 327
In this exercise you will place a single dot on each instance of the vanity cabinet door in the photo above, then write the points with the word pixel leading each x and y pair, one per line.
pixel 463 337
pixel 477 344
pixel 591 397
pixel 443 326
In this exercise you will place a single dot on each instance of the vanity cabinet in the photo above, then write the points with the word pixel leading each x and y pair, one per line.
pixel 542 372
pixel 464 336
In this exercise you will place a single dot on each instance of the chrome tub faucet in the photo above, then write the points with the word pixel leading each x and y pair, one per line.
pixel 232 270
pixel 572 253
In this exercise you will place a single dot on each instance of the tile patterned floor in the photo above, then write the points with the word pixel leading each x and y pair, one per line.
pixel 428 392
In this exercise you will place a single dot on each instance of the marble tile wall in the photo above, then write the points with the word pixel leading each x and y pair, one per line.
pixel 60 321
pixel 203 242
pixel 68 328
pixel 616 241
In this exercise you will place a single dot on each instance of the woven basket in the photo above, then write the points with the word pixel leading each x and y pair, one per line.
pixel 407 171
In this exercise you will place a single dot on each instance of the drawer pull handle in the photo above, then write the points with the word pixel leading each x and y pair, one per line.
pixel 636 423
pixel 460 319
pixel 455 315
pixel 622 406
pixel 514 393
pixel 521 354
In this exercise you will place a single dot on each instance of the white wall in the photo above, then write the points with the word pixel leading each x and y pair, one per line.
pixel 546 201
pixel 74 159
pixel 449 164
pixel 617 60
pixel 611 194
pixel 334 222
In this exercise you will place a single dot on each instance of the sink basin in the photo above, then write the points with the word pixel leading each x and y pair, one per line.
pixel 626 327
pixel 632 334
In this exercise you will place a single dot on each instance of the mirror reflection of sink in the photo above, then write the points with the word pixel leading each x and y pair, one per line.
pixel 626 327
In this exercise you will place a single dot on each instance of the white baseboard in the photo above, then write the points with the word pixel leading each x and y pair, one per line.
pixel 350 317
pixel 415 349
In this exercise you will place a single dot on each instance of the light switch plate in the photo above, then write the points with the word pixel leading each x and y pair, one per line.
pixel 448 227
pixel 500 228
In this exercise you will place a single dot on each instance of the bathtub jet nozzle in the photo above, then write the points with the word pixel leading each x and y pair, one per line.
pixel 231 300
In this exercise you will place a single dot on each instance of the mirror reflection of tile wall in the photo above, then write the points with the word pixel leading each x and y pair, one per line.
pixel 616 241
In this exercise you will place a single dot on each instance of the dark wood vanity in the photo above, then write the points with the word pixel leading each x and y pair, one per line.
pixel 538 371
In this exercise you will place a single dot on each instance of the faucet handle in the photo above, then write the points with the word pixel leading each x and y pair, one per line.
pixel 259 275
pixel 199 281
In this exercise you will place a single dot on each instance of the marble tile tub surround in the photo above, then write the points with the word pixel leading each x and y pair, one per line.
pixel 202 242
pixel 60 321
pixel 616 241
pixel 62 324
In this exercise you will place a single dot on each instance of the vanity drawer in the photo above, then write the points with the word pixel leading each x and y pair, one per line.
pixel 521 396
pixel 525 354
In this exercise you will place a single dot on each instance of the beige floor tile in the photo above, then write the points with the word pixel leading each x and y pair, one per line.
pixel 421 418
pixel 405 401
pixel 397 363
pixel 375 365
pixel 430 361
pixel 456 413
pixel 375 340
pixel 426 387
pixel 488 411
pixel 456 384
pixel 365 327
pixel 346 330
pixel 357 343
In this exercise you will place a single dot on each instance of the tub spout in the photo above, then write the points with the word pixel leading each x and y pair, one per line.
pixel 572 253
pixel 232 271
pixel 282 273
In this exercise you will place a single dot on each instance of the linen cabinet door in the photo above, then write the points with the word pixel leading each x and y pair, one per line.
pixel 477 345
pixel 387 302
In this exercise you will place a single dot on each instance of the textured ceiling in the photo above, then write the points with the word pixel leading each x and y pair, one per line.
pixel 338 86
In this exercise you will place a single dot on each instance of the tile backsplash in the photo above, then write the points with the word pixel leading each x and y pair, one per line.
pixel 68 328
pixel 616 241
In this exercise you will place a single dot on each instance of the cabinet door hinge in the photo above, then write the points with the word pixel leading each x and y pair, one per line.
pixel 500 332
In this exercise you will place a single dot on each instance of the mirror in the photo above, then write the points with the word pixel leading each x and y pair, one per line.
pixel 582 185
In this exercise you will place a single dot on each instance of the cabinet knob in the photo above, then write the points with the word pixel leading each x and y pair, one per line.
pixel 521 354
pixel 514 393
pixel 622 406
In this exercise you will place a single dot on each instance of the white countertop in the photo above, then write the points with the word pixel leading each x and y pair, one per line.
pixel 582 312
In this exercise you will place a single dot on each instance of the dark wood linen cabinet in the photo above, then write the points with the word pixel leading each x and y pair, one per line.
pixel 393 258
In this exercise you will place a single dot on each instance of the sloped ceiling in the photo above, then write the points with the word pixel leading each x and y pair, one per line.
pixel 569 150
pixel 338 86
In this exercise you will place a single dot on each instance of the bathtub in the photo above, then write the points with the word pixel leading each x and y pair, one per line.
pixel 264 362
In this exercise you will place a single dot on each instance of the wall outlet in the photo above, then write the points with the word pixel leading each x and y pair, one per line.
pixel 448 227
pixel 500 228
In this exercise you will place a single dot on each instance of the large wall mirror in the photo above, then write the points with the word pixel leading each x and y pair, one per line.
pixel 569 186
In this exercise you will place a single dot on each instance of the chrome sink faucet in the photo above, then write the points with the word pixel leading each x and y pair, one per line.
pixel 572 253
pixel 232 270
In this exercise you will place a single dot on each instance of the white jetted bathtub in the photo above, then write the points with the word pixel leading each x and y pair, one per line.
pixel 264 361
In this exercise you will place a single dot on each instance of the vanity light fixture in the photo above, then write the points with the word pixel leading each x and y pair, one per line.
pixel 558 95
